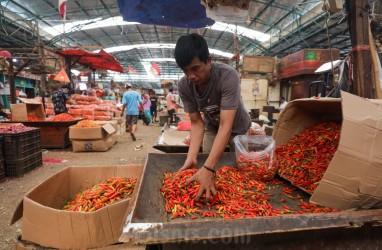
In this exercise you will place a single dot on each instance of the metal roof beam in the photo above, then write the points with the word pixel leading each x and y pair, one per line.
pixel 261 12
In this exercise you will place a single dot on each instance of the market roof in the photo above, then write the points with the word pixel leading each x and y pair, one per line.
pixel 286 26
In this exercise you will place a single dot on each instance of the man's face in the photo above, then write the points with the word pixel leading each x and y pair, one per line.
pixel 197 71
pixel 65 90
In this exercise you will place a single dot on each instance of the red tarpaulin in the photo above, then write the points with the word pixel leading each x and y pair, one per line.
pixel 101 60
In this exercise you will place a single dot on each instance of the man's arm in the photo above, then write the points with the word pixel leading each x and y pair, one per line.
pixel 123 109
pixel 204 176
pixel 227 118
pixel 196 138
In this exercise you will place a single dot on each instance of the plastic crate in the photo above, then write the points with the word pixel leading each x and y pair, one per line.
pixel 1 147
pixel 21 145
pixel 2 170
pixel 24 165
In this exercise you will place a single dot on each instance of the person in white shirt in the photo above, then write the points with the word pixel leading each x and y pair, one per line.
pixel 283 103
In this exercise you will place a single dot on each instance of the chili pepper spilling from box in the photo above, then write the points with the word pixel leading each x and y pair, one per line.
pixel 239 196
pixel 102 194
pixel 305 158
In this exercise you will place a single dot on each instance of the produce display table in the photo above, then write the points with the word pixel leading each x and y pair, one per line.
pixel 148 223
pixel 53 134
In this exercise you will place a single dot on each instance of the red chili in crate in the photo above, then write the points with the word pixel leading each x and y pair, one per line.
pixel 305 158
pixel 102 194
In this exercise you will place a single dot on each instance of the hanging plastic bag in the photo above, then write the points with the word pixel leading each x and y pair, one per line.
pixel 255 153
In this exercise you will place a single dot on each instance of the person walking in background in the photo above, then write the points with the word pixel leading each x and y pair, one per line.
pixel 110 97
pixel 154 107
pixel 130 100
pixel 170 105
pixel 59 98
pixel 283 103
pixel 147 108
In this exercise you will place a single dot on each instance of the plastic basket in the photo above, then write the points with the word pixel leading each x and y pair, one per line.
pixel 2 170
pixel 1 147
pixel 255 153
pixel 21 145
pixel 22 166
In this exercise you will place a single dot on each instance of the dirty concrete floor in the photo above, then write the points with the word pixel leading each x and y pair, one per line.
pixel 13 189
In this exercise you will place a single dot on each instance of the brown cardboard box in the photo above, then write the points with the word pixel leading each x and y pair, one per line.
pixel 258 64
pixel 20 111
pixel 111 122
pixel 44 223
pixel 19 244
pixel 91 133
pixel 353 179
pixel 98 145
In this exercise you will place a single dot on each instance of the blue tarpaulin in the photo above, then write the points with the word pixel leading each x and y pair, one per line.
pixel 174 13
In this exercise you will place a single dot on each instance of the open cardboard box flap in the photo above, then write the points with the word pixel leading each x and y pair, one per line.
pixel 91 133
pixel 46 224
pixel 353 179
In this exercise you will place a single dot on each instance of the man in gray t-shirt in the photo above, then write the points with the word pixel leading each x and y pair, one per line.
pixel 214 90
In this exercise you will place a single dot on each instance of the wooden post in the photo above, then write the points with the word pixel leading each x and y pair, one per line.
pixel 12 86
pixel 359 36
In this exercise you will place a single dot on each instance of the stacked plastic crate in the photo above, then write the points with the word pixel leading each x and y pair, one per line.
pixel 22 152
pixel 2 164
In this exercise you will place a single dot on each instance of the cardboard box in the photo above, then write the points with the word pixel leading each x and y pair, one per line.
pixel 353 179
pixel 44 223
pixel 91 133
pixel 19 244
pixel 20 111
pixel 174 137
pixel 100 145
pixel 111 122
pixel 258 64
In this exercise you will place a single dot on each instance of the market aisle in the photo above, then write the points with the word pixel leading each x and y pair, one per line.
pixel 124 152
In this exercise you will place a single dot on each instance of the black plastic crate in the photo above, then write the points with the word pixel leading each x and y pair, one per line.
pixel 17 146
pixel 2 170
pixel 1 147
pixel 24 165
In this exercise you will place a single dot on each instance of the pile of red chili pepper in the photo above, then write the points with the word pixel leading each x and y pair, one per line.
pixel 239 196
pixel 32 118
pixel 305 158
pixel 102 194
pixel 64 117
pixel 263 169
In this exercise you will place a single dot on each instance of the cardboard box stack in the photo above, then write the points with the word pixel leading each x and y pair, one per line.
pixel 354 176
pixel 46 224
pixel 97 139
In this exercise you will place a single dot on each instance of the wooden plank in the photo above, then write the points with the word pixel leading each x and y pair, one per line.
pixel 359 36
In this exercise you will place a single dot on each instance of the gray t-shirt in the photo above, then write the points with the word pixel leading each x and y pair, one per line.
pixel 222 93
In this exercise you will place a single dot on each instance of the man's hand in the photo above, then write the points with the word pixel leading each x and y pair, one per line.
pixel 189 163
pixel 206 180
pixel 121 114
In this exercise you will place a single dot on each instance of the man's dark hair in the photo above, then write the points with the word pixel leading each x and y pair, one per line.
pixel 65 86
pixel 283 98
pixel 188 47
pixel 170 89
